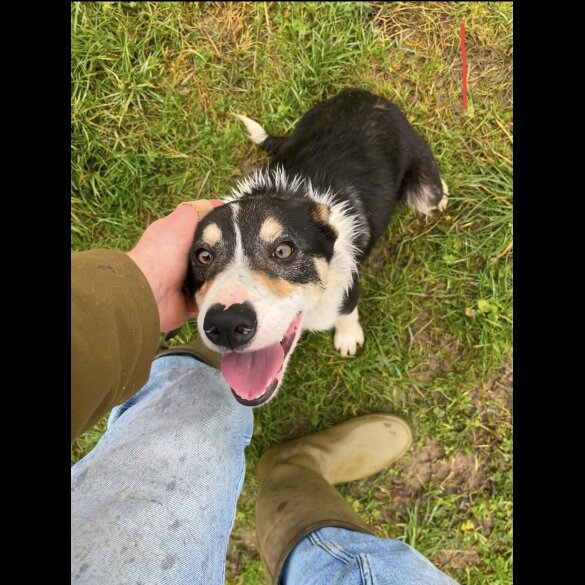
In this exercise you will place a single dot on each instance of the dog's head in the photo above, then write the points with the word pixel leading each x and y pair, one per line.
pixel 256 265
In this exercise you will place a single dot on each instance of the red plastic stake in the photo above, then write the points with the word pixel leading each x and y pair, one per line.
pixel 464 57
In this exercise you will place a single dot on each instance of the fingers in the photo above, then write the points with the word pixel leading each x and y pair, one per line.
pixel 202 206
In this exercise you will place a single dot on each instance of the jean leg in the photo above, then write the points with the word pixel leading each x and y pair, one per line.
pixel 345 557
pixel 154 502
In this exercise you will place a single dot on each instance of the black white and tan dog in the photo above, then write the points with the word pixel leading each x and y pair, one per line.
pixel 283 254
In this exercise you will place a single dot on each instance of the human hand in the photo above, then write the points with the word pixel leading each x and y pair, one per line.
pixel 162 254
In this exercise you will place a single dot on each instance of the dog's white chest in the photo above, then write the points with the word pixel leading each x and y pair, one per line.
pixel 324 315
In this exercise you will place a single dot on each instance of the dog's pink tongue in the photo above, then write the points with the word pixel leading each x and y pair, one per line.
pixel 249 374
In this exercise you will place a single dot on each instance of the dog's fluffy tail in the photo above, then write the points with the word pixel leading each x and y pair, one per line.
pixel 259 136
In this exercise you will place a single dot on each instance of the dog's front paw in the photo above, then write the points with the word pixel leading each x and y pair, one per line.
pixel 348 337
pixel 443 203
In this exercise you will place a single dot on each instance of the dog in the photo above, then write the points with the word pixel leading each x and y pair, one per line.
pixel 283 254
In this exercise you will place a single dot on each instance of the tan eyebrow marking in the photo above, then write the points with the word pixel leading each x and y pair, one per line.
pixel 212 234
pixel 270 230
pixel 321 213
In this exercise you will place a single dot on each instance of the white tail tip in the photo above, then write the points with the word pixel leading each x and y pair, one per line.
pixel 257 134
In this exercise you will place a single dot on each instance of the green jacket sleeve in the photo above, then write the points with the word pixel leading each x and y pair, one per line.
pixel 114 333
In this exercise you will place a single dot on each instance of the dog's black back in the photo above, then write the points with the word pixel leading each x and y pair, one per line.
pixel 362 147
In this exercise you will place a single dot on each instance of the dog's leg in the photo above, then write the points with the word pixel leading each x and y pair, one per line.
pixel 426 197
pixel 349 334
pixel 423 188
pixel 442 205
pixel 348 331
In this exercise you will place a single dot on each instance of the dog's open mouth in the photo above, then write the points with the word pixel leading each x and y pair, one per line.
pixel 253 376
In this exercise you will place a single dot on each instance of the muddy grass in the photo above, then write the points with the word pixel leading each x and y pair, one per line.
pixel 460 473
pixel 242 545
pixel 439 351
pixel 429 467
pixel 453 560
pixel 457 473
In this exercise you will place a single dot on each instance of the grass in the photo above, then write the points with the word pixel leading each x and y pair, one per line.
pixel 153 86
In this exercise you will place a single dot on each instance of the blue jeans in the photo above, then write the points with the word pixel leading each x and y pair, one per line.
pixel 154 502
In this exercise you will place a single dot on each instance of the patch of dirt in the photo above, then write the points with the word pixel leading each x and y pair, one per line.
pixel 247 166
pixel 437 349
pixel 497 391
pixel 461 473
pixel 493 409
pixel 293 430
pixel 379 258
pixel 431 31
pixel 242 543
pixel 226 26
pixel 486 525
pixel 454 560
pixel 358 489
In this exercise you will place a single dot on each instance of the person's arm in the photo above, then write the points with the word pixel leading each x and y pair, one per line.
pixel 114 333
pixel 120 303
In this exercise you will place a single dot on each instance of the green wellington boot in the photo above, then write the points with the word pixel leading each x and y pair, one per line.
pixel 295 481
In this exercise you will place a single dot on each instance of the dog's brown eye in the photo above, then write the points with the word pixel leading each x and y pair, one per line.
pixel 283 251
pixel 204 257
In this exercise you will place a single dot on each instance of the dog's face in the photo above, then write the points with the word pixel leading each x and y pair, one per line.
pixel 256 265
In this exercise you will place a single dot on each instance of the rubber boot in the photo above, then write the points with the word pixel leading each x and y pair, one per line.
pixel 295 481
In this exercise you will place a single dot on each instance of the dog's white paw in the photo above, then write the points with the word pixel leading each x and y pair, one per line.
pixel 349 334
pixel 443 203
pixel 445 188
pixel 347 341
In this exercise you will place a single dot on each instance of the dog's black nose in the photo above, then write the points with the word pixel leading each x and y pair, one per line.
pixel 231 328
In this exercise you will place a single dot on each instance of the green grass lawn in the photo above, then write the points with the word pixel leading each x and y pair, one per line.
pixel 153 87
